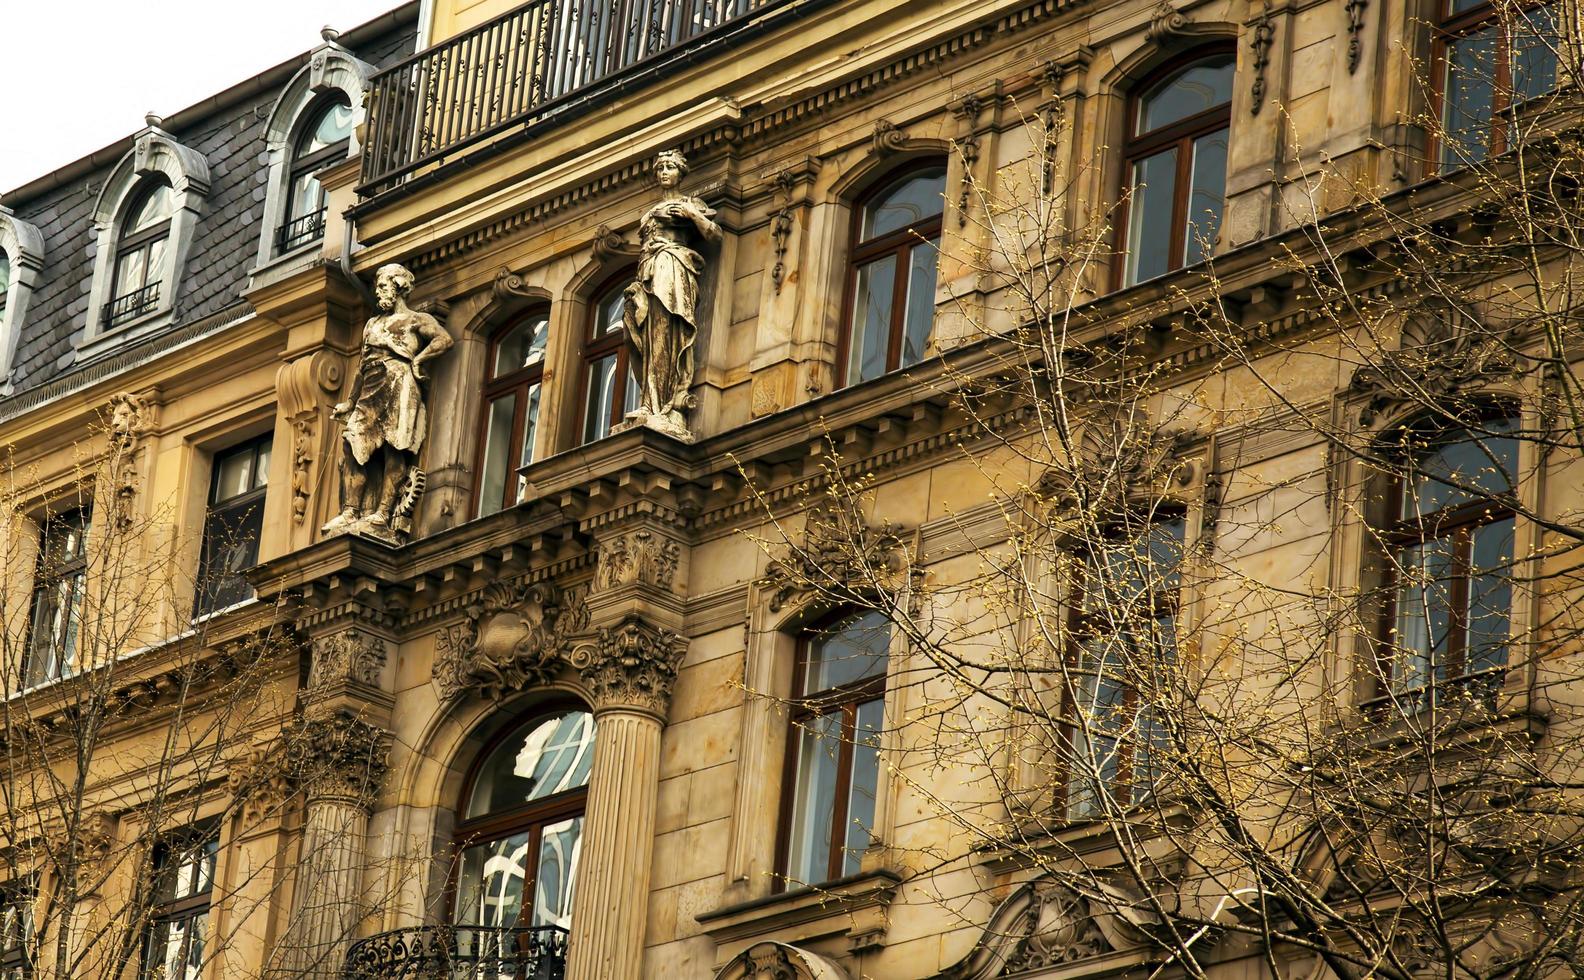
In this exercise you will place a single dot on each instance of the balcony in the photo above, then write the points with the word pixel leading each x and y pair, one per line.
pixel 458 952
pixel 540 62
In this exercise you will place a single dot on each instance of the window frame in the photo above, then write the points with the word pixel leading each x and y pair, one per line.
pixel 519 383
pixel 1165 605
pixel 900 243
pixel 44 581
pixel 299 166
pixel 1447 29
pixel 1456 523
pixel 254 496
pixel 595 349
pixel 531 817
pixel 202 837
pixel 844 699
pixel 138 241
pixel 18 896
pixel 1180 134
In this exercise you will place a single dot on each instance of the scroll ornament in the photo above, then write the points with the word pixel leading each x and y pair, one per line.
pixel 513 638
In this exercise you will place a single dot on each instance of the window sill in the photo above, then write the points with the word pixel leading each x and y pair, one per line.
pixel 1460 726
pixel 123 333
pixel 284 265
pixel 854 907
pixel 1061 837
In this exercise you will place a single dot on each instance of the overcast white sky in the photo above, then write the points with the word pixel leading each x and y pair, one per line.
pixel 81 73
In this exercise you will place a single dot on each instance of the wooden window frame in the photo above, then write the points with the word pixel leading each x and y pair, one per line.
pixel 517 382
pixel 1180 134
pixel 1458 523
pixel 844 699
pixel 46 576
pixel 252 497
pixel 531 817
pixel 1164 605
pixel 188 908
pixel 1449 28
pixel 595 350
pixel 18 896
pixel 900 243
pixel 302 165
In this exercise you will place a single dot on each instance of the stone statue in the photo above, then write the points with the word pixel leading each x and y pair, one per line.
pixel 385 417
pixel 660 309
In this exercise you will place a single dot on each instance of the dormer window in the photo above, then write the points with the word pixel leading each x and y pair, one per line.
pixel 5 281
pixel 140 255
pixel 323 141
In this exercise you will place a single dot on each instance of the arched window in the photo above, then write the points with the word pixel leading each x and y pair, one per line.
pixel 135 283
pixel 609 390
pixel 511 409
pixel 1490 57
pixel 323 141
pixel 521 823
pixel 1176 162
pixel 891 275
pixel 833 764
pixel 1448 536
pixel 5 281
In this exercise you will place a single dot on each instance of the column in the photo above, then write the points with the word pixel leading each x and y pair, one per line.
pixel 630 673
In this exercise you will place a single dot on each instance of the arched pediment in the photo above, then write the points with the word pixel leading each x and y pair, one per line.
pixel 23 248
pixel 154 151
pixel 779 961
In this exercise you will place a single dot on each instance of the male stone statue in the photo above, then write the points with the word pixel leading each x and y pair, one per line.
pixel 660 311
pixel 385 417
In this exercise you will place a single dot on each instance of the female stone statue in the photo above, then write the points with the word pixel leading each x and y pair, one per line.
pixel 661 308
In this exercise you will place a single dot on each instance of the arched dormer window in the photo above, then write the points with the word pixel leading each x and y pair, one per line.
pixel 513 378
pixel 323 140
pixel 146 216
pixel 312 126
pixel 609 390
pixel 21 258
pixel 891 275
pixel 139 270
pixel 521 822
pixel 1176 161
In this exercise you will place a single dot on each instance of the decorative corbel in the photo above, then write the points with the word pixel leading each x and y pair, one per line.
pixel 351 656
pixel 609 244
pixel 304 429
pixel 1165 22
pixel 781 228
pixel 508 283
pixel 888 139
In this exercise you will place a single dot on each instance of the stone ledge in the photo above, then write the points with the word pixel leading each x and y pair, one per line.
pixel 854 907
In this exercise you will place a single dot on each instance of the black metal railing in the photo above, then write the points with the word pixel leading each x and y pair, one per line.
pixel 131 305
pixel 521 67
pixel 458 952
pixel 1475 692
pixel 299 231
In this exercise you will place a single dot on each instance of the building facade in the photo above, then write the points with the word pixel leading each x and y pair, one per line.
pixel 510 490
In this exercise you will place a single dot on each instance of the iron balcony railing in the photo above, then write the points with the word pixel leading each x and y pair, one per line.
pixel 525 66
pixel 459 953
pixel 131 305
pixel 299 231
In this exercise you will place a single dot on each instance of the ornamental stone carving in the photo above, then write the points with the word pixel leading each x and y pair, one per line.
pixel 339 757
pixel 637 557
pixel 127 418
pixel 840 554
pixel 779 961
pixel 634 665
pixel 351 655
pixel 660 308
pixel 513 638
pixel 259 782
pixel 385 417
pixel 1444 361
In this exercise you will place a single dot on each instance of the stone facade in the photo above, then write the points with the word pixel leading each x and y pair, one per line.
pixel 665 579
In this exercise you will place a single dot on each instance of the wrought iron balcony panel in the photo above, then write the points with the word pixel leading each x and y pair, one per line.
pixel 459 953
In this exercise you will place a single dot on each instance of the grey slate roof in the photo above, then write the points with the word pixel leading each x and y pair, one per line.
pixel 225 245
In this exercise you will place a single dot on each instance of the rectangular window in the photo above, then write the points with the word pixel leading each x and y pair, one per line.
pixel 59 579
pixel 1125 630
pixel 511 415
pixel 16 930
pixel 184 865
pixel 1493 57
pixel 233 524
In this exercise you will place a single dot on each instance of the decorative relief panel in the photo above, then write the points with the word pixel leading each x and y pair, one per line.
pixel 1444 358
pixel 839 553
pixel 512 639
pixel 637 557
pixel 350 656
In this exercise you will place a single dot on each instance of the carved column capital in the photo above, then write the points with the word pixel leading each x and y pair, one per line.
pixel 340 757
pixel 633 665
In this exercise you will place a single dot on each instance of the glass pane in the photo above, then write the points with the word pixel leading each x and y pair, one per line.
pixel 1536 40
pixel 608 314
pixel 1490 596
pixel 332 126
pixel 156 259
pixel 522 346
pixel 1424 603
pixel 176 948
pixel 850 650
pixel 1470 87
pixel 1135 564
pixel 490 882
pixel 1150 216
pixel 814 798
pixel 158 205
pixel 1201 86
pixel 1206 194
pixel 547 756
pixel 131 269
pixel 530 426
pixel 307 197
pixel 629 395
pixel 233 475
pixel 559 845
pixel 5 275
pixel 261 466
pixel 497 432
pixel 1485 464
pixel 230 548
pixel 871 329
pixel 597 411
pixel 920 302
pixel 865 784
pixel 904 204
